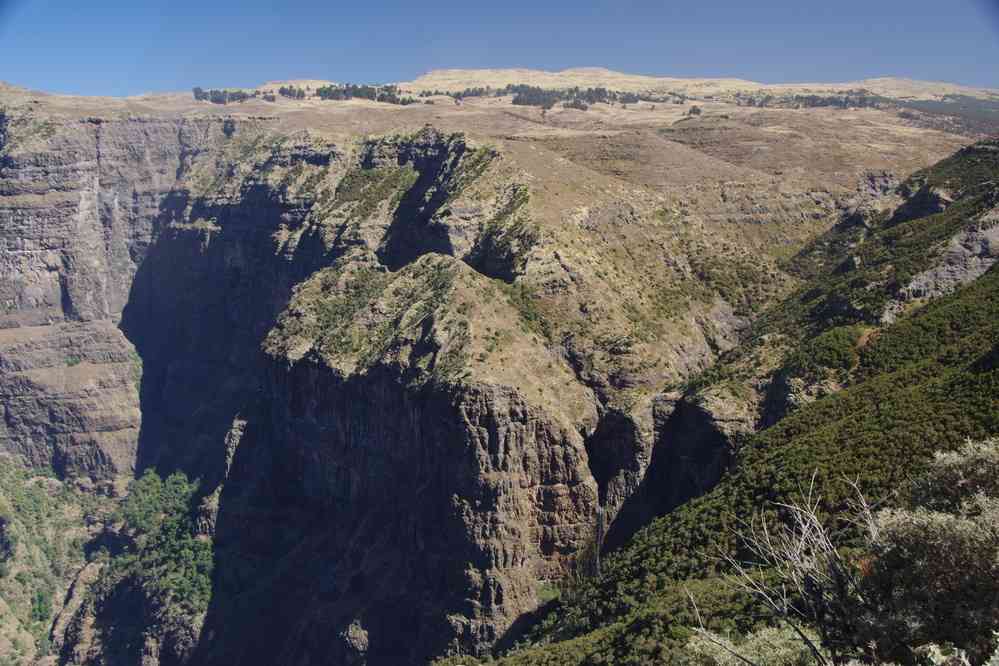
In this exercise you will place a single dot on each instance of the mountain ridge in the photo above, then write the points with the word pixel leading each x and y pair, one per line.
pixel 457 79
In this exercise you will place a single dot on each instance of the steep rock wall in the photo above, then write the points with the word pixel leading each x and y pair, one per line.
pixel 79 202
pixel 376 518
pixel 417 520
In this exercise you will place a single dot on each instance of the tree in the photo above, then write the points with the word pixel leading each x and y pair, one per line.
pixel 292 92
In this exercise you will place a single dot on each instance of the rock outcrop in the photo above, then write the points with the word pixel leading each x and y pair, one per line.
pixel 966 257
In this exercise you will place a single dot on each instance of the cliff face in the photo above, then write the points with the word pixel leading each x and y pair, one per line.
pixel 401 524
pixel 425 507
pixel 384 502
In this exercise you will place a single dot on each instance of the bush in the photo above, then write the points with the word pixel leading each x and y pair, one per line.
pixel 41 605
pixel 956 477
pixel 921 577
pixel 935 563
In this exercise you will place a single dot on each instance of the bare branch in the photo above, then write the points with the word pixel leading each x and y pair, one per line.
pixel 703 632
pixel 815 584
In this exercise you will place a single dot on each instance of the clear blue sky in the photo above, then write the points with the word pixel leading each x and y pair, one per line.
pixel 118 47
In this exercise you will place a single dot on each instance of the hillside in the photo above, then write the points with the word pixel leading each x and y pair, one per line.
pixel 893 393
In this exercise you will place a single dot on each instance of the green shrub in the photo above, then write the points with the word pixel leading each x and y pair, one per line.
pixel 834 349
pixel 41 605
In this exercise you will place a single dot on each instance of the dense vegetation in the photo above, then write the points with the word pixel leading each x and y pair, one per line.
pixel 389 94
pixel 547 98
pixel 164 556
pixel 925 384
pixel 386 94
pixel 849 99
pixel 223 96
pixel 292 92
pixel 573 97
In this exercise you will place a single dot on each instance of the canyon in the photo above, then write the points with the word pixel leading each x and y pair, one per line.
pixel 423 361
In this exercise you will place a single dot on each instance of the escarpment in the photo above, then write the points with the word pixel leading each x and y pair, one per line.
pixel 416 374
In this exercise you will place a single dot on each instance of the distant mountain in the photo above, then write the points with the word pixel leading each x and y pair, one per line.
pixel 895 88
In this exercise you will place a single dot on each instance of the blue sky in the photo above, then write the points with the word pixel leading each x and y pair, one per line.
pixel 117 48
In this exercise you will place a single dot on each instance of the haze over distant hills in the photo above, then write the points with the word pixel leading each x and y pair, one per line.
pixel 458 79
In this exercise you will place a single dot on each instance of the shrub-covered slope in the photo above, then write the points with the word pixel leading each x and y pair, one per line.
pixel 902 390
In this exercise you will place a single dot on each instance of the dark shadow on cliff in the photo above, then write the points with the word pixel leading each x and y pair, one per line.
pixel 317 566
pixel 689 457
pixel 522 626
pixel 610 450
pixel 200 305
pixel 412 233
pixel 121 622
